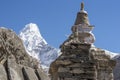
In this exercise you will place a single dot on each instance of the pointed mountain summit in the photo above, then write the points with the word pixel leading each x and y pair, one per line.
pixel 36 45
pixel 32 38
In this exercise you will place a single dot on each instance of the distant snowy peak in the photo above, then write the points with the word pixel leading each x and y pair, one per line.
pixel 31 28
pixel 32 32
pixel 36 46
pixel 32 38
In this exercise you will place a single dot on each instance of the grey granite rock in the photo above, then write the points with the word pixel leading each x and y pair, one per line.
pixel 3 74
pixel 41 75
pixel 11 44
pixel 29 73
pixel 13 69
pixel 15 63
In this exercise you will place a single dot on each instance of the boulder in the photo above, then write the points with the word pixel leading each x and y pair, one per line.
pixel 3 74
pixel 13 69
pixel 41 75
pixel 29 73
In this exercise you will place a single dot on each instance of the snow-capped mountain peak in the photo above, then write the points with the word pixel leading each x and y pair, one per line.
pixel 32 28
pixel 32 31
pixel 36 45
pixel 32 38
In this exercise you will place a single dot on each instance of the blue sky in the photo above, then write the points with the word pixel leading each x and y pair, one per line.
pixel 56 17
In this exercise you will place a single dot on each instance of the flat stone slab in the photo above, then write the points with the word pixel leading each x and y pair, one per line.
pixel 3 74
pixel 14 71
pixel 42 75
pixel 29 73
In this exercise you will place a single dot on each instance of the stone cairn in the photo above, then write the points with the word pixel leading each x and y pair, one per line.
pixel 80 60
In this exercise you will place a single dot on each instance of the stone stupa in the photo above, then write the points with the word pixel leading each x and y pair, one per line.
pixel 80 60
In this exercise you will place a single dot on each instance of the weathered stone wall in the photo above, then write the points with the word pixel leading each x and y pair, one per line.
pixel 81 62
pixel 105 64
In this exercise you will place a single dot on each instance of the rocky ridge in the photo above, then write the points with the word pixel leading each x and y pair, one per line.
pixel 15 63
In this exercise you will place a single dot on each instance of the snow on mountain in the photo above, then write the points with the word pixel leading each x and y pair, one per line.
pixel 36 45
pixel 112 55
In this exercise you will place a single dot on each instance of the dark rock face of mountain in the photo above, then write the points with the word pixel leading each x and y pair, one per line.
pixel 117 68
pixel 15 63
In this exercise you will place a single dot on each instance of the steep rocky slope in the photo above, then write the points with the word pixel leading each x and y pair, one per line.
pixel 15 63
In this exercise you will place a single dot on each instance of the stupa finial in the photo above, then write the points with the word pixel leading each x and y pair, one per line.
pixel 82 6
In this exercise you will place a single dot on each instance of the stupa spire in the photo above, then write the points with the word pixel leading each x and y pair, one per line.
pixel 82 6
pixel 82 16
pixel 82 29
